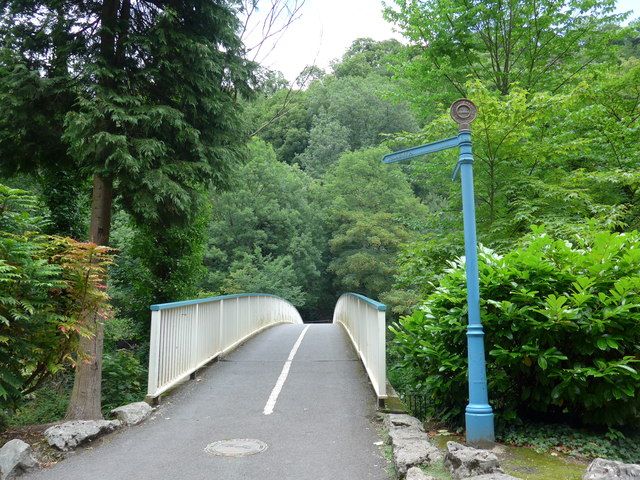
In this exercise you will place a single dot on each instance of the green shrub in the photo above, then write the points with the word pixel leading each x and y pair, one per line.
pixel 123 379
pixel 119 331
pixel 47 404
pixel 562 324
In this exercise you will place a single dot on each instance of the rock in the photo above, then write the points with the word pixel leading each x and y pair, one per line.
pixel 399 420
pixel 398 435
pixel 15 458
pixel 410 453
pixel 493 476
pixel 601 469
pixel 465 462
pixel 411 446
pixel 414 473
pixel 133 413
pixel 67 436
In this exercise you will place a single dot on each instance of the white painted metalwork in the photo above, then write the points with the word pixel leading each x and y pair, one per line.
pixel 187 335
pixel 364 321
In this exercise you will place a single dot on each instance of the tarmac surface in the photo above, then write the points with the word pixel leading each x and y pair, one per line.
pixel 322 427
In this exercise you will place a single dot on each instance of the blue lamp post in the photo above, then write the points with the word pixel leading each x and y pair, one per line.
pixel 478 414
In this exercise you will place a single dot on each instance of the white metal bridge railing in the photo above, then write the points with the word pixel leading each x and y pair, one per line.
pixel 364 321
pixel 187 335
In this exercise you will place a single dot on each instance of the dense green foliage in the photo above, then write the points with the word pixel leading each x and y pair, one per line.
pixel 562 323
pixel 537 46
pixel 47 286
pixel 123 379
pixel 46 404
pixel 30 338
pixel 371 210
pixel 347 110
pixel 35 95
pixel 264 235
pixel 128 93
pixel 157 265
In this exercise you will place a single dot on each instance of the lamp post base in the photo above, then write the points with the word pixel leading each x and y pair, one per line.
pixel 479 428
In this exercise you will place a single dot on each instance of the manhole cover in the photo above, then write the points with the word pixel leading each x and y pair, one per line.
pixel 238 447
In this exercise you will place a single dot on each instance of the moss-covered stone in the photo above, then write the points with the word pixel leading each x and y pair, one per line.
pixel 526 463
pixel 522 462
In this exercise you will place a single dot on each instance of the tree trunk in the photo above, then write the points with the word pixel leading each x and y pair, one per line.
pixel 85 402
pixel 86 397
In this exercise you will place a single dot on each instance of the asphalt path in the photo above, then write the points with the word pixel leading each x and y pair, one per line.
pixel 322 424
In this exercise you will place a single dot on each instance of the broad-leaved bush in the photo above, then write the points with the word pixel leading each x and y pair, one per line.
pixel 562 332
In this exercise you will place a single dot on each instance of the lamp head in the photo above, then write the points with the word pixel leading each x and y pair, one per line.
pixel 463 112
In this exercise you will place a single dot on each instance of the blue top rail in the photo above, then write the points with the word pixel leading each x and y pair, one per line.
pixel 183 303
pixel 381 307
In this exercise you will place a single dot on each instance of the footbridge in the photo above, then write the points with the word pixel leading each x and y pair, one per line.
pixel 239 374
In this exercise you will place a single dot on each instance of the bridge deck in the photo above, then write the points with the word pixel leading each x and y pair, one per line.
pixel 320 428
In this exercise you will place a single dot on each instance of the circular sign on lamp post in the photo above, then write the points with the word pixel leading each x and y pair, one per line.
pixel 463 112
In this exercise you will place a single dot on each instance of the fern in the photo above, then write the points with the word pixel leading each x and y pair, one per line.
pixel 48 288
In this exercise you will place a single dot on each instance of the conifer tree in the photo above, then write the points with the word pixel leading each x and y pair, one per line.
pixel 154 114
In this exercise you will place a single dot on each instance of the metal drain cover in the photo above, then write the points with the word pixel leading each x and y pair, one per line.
pixel 237 447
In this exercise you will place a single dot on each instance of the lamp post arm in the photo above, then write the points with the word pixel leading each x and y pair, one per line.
pixel 432 147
